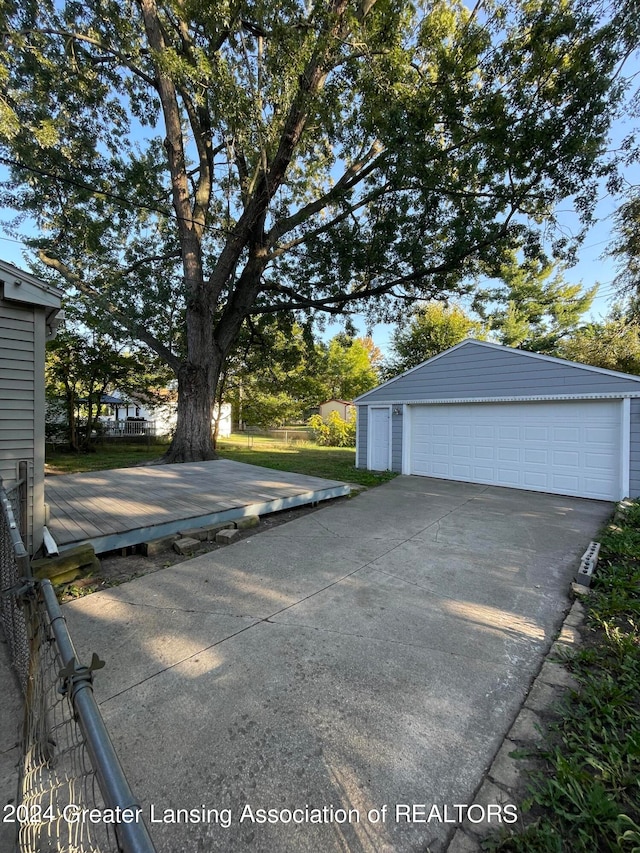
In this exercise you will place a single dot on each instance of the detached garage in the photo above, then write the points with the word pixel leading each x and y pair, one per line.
pixel 485 413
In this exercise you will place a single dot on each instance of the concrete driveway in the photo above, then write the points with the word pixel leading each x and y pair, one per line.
pixel 372 654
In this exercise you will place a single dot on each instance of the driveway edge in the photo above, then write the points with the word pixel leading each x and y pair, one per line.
pixel 506 776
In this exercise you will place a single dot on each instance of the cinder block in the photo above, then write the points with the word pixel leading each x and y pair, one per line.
pixel 224 537
pixel 247 521
pixel 214 529
pixel 157 546
pixel 199 533
pixel 185 545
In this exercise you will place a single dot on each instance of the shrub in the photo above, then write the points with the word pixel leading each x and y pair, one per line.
pixel 334 432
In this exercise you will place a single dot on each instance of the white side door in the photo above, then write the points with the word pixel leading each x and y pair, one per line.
pixel 379 438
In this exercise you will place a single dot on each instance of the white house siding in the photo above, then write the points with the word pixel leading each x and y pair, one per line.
pixel 18 388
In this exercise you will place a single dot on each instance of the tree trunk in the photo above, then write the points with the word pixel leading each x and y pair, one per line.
pixel 197 380
pixel 193 440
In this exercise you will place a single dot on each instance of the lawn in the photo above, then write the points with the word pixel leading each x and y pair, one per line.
pixel 102 458
pixel 332 463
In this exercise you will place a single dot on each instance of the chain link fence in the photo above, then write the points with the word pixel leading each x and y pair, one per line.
pixel 73 796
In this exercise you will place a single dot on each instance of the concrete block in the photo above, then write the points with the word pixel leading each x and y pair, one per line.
pixel 157 546
pixel 556 673
pixel 213 529
pixel 199 533
pixel 247 521
pixel 489 794
pixel 224 537
pixel 185 545
pixel 576 615
pixel 542 697
pixel 580 590
pixel 463 843
pixel 505 770
pixel 569 636
pixel 527 727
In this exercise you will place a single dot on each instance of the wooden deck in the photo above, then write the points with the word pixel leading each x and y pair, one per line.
pixel 115 509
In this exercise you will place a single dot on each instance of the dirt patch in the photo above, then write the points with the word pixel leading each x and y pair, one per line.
pixel 117 567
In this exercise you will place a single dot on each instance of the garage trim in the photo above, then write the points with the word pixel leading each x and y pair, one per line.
pixel 625 446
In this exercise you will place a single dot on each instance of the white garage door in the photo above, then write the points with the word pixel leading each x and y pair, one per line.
pixel 571 448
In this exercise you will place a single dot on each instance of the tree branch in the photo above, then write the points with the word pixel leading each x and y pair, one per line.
pixel 122 57
pixel 136 329
pixel 354 175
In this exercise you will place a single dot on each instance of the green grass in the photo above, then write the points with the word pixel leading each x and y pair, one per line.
pixel 588 796
pixel 102 458
pixel 332 463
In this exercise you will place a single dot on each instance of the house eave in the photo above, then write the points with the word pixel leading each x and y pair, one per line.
pixel 390 401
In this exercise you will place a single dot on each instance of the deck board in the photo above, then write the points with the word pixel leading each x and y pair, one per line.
pixel 126 506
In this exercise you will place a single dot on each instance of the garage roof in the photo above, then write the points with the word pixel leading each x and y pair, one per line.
pixel 475 371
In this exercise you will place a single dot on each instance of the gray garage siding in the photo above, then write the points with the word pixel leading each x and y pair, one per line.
pixel 363 434
pixel 474 371
pixel 396 445
pixel 634 448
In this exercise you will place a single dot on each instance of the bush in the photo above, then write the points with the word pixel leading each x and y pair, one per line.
pixel 334 432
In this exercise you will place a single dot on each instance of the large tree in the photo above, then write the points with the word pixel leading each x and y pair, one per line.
pixel 612 343
pixel 533 307
pixel 190 164
pixel 431 329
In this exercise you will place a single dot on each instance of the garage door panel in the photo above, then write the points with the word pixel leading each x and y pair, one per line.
pixel 596 434
pixel 565 458
pixel 568 448
pixel 540 433
pixel 570 435
pixel 565 484
pixel 441 469
pixel 507 433
pixel 461 472
pixel 536 457
pixel 461 431
pixel 602 461
pixel 482 452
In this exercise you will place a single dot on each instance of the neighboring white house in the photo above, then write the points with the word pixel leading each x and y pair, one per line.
pixel 128 416
pixel 344 408
pixel 29 311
